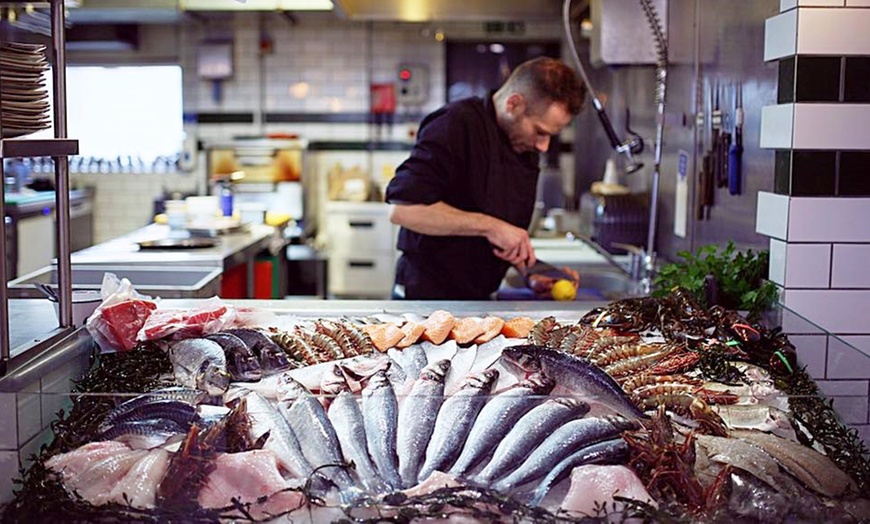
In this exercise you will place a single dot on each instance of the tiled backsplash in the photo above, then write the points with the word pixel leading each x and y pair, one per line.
pixel 817 219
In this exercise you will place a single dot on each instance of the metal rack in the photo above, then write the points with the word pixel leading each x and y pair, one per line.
pixel 59 149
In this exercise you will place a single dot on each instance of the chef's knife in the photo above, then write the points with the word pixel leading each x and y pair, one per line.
pixel 547 270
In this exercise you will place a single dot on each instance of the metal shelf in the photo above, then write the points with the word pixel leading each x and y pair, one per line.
pixel 60 148
pixel 14 147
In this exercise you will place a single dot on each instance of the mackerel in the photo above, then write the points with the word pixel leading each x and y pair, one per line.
pixel 528 433
pixel 578 375
pixel 497 417
pixel 380 414
pixel 569 438
pixel 455 419
pixel 347 419
pixel 417 416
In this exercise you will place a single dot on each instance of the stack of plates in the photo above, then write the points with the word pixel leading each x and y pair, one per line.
pixel 24 106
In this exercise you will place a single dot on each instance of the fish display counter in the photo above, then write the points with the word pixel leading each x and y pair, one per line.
pixel 371 411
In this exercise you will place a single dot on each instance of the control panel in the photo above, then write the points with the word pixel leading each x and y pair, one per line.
pixel 413 84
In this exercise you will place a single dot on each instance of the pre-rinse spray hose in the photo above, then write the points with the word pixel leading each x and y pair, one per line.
pixel 627 148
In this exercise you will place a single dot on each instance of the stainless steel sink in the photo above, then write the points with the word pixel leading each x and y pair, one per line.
pixel 165 282
pixel 597 283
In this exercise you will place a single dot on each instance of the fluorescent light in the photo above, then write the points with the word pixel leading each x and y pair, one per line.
pixel 255 5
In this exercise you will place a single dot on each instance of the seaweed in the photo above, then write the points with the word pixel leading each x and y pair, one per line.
pixel 841 443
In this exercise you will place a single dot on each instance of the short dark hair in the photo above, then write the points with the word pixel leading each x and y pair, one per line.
pixel 545 79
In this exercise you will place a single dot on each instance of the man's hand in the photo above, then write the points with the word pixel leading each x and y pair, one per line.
pixel 511 244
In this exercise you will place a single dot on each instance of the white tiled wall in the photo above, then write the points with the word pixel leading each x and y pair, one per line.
pixel 123 201
pixel 820 247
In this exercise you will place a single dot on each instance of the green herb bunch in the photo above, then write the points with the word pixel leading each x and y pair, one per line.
pixel 739 277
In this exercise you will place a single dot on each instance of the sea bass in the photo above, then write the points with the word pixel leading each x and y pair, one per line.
pixel 380 415
pixel 606 452
pixel 417 415
pixel 497 417
pixel 306 416
pixel 579 376
pixel 282 441
pixel 455 419
pixel 347 419
pixel 568 439
pixel 529 431
pixel 201 364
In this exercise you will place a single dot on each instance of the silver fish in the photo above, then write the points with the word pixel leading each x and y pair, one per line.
pixel 380 415
pixel 347 419
pixel 415 360
pixel 578 375
pixel 307 417
pixel 528 433
pixel 607 452
pixel 497 417
pixel 201 364
pixel 282 441
pixel 455 419
pixel 569 438
pixel 417 415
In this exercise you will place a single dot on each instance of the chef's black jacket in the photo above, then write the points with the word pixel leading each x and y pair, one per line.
pixel 461 158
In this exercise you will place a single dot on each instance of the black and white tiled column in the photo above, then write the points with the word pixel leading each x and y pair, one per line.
pixel 818 216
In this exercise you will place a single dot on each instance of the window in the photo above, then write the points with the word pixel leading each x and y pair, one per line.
pixel 133 111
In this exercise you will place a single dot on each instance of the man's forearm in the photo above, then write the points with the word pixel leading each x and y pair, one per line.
pixel 440 219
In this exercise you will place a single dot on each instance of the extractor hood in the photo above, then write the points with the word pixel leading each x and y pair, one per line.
pixel 449 10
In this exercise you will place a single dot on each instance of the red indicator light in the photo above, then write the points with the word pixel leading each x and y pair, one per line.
pixel 405 74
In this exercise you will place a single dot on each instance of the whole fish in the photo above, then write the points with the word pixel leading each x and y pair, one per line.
pixel 306 416
pixel 380 415
pixel 272 358
pixel 189 396
pixel 144 434
pixel 242 363
pixel 528 433
pixel 497 417
pixel 455 419
pixel 347 419
pixel 177 411
pixel 818 472
pixel 265 418
pixel 417 415
pixel 201 364
pixel 607 452
pixel 567 439
pixel 578 375
pixel 748 457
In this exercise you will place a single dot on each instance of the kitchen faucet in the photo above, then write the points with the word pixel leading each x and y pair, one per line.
pixel 641 265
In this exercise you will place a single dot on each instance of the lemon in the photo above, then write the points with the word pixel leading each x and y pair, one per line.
pixel 563 290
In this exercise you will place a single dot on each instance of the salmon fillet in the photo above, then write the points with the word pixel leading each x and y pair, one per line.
pixel 492 326
pixel 466 329
pixel 412 331
pixel 517 327
pixel 438 326
pixel 384 336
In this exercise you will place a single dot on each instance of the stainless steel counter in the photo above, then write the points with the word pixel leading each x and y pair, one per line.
pixel 233 249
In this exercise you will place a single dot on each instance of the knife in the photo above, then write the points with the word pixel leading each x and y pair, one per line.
pixel 547 270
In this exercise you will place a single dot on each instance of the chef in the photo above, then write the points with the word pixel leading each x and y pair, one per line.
pixel 465 196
